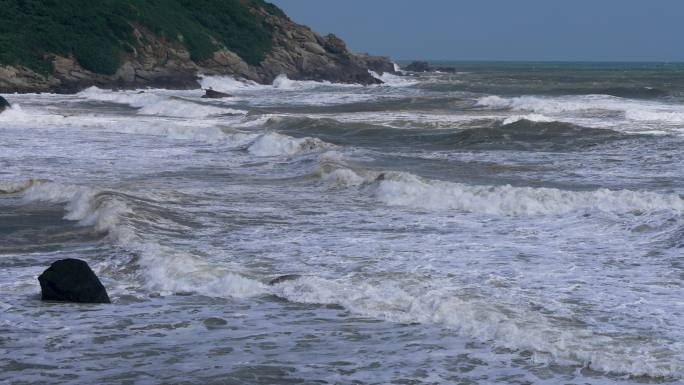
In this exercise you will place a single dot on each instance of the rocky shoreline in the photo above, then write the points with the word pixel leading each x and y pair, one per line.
pixel 297 52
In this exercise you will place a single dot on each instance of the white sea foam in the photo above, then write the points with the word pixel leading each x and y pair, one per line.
pixel 632 110
pixel 170 270
pixel 15 186
pixel 163 268
pixel 393 80
pixel 655 116
pixel 15 112
pixel 18 116
pixel 184 109
pixel 274 144
pixel 551 105
pixel 402 189
pixel 343 177
pixel 229 83
pixel 530 117
pixel 505 325
pixel 281 82
pixel 84 205
pixel 160 103
pixel 162 121
pixel 131 98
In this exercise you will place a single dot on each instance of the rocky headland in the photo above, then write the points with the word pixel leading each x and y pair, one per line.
pixel 132 44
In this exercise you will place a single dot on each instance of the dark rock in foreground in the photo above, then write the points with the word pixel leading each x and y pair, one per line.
pixel 4 104
pixel 211 94
pixel 72 280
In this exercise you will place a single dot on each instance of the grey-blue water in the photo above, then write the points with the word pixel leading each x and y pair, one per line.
pixel 512 223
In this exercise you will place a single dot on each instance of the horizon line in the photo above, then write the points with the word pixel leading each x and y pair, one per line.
pixel 539 61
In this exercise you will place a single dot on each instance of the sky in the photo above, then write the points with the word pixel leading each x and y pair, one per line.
pixel 533 30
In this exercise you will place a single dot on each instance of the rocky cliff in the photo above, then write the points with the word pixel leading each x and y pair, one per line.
pixel 152 58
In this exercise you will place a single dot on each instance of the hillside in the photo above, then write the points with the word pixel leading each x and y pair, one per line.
pixel 66 45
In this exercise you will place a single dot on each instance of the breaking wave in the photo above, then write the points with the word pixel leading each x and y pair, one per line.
pixel 393 80
pixel 184 109
pixel 409 190
pixel 634 110
pixel 274 144
pixel 162 268
pixel 13 187
pixel 281 82
pixel 157 103
pixel 15 112
pixel 511 326
pixel 404 189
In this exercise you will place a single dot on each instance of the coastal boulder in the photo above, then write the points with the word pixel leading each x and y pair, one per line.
pixel 211 94
pixel 378 64
pixel 71 280
pixel 418 66
pixel 4 104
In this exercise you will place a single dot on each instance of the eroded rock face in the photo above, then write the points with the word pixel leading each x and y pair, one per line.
pixel 298 52
pixel 302 54
pixel 377 64
pixel 4 104
pixel 72 280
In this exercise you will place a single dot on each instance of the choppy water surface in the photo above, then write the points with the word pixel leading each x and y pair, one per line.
pixel 515 224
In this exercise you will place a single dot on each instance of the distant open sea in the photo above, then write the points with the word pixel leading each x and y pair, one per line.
pixel 509 223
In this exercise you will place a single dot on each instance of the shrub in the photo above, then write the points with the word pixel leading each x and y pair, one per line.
pixel 98 33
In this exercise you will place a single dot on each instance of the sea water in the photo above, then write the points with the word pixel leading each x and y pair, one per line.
pixel 514 223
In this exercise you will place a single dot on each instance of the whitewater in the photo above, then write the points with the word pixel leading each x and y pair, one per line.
pixel 501 224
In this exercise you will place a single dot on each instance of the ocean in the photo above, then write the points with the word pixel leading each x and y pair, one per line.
pixel 511 223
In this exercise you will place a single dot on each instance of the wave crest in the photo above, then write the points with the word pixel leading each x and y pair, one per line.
pixel 511 326
pixel 409 190
pixel 274 144
pixel 163 268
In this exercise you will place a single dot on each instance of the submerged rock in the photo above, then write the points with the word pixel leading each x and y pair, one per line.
pixel 72 280
pixel 283 278
pixel 211 94
pixel 423 66
pixel 215 323
pixel 418 66
pixel 445 69
pixel 4 104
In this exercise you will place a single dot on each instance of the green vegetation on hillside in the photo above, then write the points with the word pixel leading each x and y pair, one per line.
pixel 98 32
